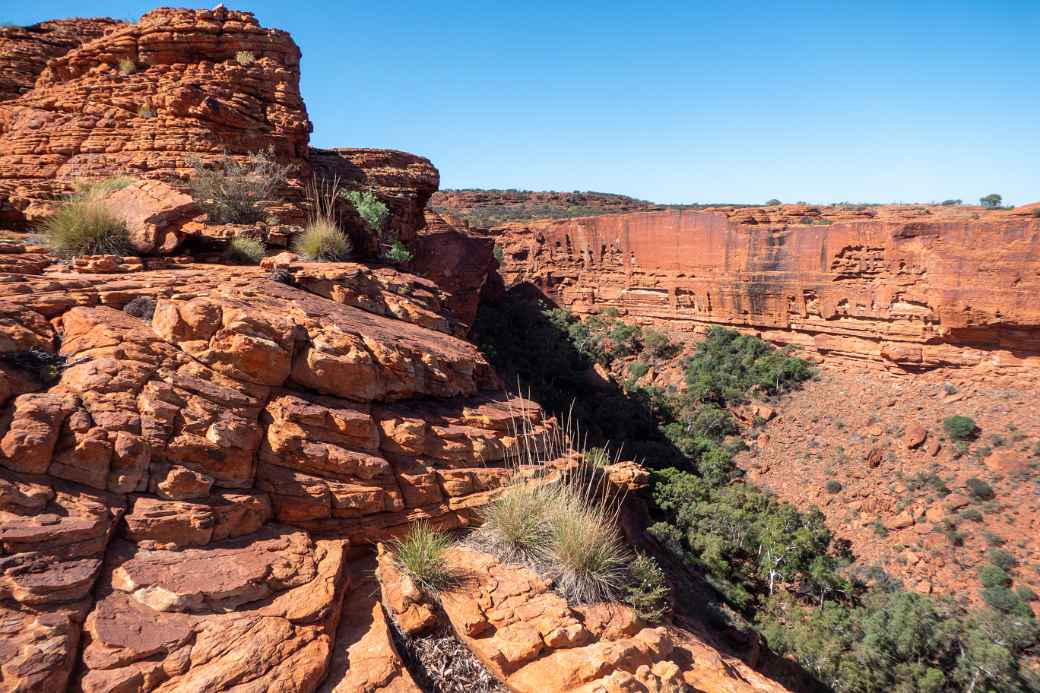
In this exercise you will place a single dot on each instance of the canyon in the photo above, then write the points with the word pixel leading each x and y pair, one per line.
pixel 199 458
pixel 205 464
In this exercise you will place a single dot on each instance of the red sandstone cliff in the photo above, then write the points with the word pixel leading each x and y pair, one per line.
pixel 147 98
pixel 26 50
pixel 955 288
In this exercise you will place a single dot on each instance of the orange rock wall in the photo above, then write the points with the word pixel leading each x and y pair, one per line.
pixel 26 50
pixel 913 294
pixel 188 96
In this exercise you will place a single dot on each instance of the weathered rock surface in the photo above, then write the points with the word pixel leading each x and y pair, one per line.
pixel 364 658
pixel 531 640
pixel 401 180
pixel 157 491
pixel 187 97
pixel 26 50
pixel 911 293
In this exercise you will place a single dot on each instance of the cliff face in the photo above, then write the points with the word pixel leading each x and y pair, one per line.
pixel 148 98
pixel 912 293
pixel 26 50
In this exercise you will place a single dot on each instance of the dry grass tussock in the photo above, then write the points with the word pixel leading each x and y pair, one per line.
pixel 562 524
pixel 322 239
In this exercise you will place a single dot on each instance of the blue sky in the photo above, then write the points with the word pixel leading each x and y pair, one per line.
pixel 675 102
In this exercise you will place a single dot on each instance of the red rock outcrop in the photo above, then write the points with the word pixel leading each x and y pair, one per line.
pixel 148 98
pixel 460 261
pixel 403 181
pixel 911 293
pixel 158 491
pixel 26 50
pixel 533 641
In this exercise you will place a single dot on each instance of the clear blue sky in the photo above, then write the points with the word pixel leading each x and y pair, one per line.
pixel 675 102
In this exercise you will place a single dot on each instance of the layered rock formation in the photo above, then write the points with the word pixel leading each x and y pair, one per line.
pixel 149 98
pixel 26 50
pixel 914 293
pixel 160 476
pixel 533 641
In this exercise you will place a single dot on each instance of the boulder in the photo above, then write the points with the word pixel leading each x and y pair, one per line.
pixel 154 212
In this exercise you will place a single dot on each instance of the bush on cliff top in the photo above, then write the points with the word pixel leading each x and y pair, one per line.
pixel 323 241
pixel 960 427
pixel 246 250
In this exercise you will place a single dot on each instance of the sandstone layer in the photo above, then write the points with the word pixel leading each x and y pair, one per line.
pixel 913 293
pixel 533 641
pixel 26 50
pixel 170 440
pixel 149 98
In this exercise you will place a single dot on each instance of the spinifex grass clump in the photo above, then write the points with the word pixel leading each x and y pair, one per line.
pixel 246 250
pixel 587 548
pixel 82 225
pixel 322 239
pixel 517 523
pixel 421 555
pixel 561 523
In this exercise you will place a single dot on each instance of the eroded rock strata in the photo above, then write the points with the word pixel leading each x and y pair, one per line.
pixel 159 491
pixel 147 99
pixel 26 50
pixel 910 293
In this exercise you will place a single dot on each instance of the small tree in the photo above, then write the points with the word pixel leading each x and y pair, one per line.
pixel 773 202
pixel 992 201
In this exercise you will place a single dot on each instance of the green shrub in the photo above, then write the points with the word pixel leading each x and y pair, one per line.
pixel 83 226
pixel 992 201
pixel 657 343
pixel 1002 558
pixel 127 67
pixel 716 466
pixel 971 514
pixel 993 576
pixel 727 365
pixel 421 554
pixel 637 369
pixel 960 428
pixel 370 208
pixel 772 202
pixel 901 641
pixel 647 591
pixel 979 489
pixel 500 255
pixel 1004 600
pixel 399 253
pixel 1025 593
pixel 623 338
pixel 145 111
pixel 231 191
pixel 322 241
pixel 246 250
pixel 245 58
pixel 833 486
